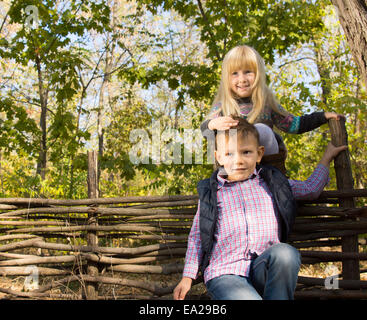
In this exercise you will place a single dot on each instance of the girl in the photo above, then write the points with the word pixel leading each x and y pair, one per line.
pixel 243 92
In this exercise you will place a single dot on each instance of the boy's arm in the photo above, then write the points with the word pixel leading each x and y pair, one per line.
pixel 192 260
pixel 313 186
pixel 193 252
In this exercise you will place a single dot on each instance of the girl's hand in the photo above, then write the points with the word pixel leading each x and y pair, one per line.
pixel 333 115
pixel 182 289
pixel 222 123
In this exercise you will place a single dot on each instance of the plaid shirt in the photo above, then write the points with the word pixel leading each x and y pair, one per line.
pixel 247 224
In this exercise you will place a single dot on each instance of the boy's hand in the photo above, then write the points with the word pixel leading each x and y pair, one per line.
pixel 222 123
pixel 330 153
pixel 333 115
pixel 182 289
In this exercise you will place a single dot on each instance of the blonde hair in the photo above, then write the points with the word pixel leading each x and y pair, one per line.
pixel 244 58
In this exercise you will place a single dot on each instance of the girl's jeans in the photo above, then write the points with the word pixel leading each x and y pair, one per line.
pixel 273 276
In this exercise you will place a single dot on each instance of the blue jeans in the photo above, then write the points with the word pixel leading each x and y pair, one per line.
pixel 273 276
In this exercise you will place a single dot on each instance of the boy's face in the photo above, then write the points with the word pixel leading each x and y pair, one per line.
pixel 239 157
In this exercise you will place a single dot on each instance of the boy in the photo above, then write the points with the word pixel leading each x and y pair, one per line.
pixel 245 214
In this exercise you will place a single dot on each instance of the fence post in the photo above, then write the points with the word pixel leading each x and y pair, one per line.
pixel 344 180
pixel 92 237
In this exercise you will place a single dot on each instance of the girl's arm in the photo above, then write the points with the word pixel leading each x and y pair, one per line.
pixel 216 121
pixel 301 124
pixel 297 124
pixel 214 113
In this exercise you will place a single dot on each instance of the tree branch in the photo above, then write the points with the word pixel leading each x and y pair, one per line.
pixel 209 28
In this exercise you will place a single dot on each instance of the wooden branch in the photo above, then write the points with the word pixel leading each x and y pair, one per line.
pixel 96 210
pixel 112 260
pixel 310 244
pixel 156 237
pixel 330 294
pixel 91 289
pixel 32 223
pixel 39 294
pixel 19 244
pixel 143 250
pixel 343 284
pixel 324 234
pixel 25 271
pixel 341 225
pixel 332 211
pixel 98 201
pixel 334 256
pixel 149 199
pixel 161 269
pixel 17 255
pixel 344 180
pixel 40 260
pixel 168 204
pixel 162 216
pixel 166 252
pixel 345 193
pixel 158 290
pixel 18 236
pixel 125 227
pixel 7 207
pixel 129 235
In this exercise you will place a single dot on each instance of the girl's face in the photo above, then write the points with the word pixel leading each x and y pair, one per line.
pixel 241 83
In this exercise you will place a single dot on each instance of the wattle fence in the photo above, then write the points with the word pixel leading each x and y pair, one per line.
pixel 77 249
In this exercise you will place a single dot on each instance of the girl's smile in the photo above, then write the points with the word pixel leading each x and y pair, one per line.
pixel 241 82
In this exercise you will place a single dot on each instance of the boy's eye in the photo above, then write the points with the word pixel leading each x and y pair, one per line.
pixel 229 154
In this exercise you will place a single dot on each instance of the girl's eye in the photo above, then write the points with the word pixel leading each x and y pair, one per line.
pixel 234 73
pixel 229 154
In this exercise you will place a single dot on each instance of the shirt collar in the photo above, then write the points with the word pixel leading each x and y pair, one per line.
pixel 243 100
pixel 222 180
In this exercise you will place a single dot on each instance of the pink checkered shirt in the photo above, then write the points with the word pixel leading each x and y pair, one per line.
pixel 247 224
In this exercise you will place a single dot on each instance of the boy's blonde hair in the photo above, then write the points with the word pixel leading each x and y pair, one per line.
pixel 245 58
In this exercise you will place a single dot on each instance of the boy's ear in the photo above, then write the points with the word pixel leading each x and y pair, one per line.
pixel 260 153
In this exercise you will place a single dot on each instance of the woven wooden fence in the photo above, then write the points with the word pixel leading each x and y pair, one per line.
pixel 76 248
pixel 54 234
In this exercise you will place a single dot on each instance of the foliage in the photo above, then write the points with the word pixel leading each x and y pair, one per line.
pixel 96 70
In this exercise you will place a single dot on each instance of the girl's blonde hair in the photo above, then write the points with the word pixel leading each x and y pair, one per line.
pixel 244 58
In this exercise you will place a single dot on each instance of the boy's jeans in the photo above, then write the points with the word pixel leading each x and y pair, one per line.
pixel 273 276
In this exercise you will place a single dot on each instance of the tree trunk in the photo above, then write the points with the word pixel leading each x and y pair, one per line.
pixel 42 158
pixel 344 179
pixel 353 18
pixel 92 237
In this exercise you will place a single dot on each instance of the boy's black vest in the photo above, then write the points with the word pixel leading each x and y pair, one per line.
pixel 282 197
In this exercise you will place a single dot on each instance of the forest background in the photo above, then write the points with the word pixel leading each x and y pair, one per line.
pixel 83 75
